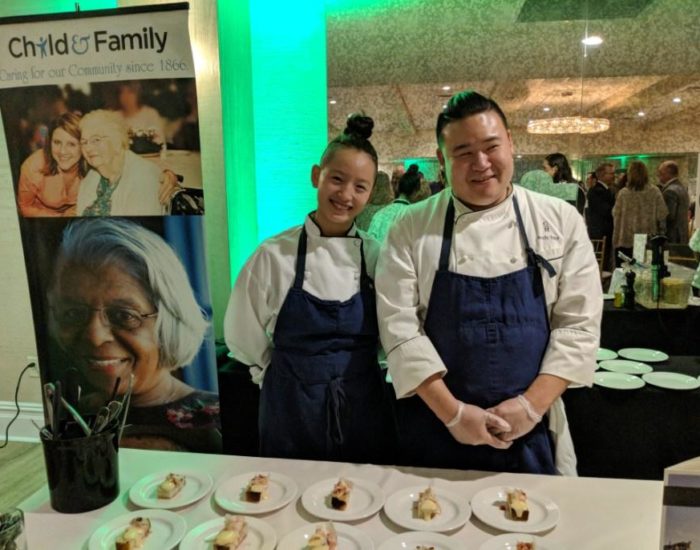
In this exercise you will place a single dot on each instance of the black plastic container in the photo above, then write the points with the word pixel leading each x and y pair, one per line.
pixel 82 472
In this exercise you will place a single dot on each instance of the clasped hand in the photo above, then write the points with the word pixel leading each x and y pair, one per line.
pixel 477 426
pixel 513 412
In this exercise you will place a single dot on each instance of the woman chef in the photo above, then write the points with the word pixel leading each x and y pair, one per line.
pixel 302 315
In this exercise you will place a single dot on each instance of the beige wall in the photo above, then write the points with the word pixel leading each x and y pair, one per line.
pixel 16 325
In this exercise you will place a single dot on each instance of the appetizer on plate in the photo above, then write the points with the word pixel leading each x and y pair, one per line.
pixel 171 486
pixel 427 506
pixel 340 495
pixel 135 535
pixel 323 539
pixel 256 491
pixel 232 535
pixel 516 505
pixel 524 545
pixel 424 547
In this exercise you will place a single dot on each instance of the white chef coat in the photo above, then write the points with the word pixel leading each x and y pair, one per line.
pixel 487 243
pixel 333 266
pixel 135 195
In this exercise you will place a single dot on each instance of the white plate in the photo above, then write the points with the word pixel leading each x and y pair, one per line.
pixel 509 541
pixel 617 381
pixel 672 380
pixel 455 510
pixel 604 354
pixel 544 513
pixel 625 366
pixel 349 537
pixel 167 529
pixel 643 354
pixel 412 539
pixel 144 492
pixel 281 491
pixel 261 536
pixel 366 499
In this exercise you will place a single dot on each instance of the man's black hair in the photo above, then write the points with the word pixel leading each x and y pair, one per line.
pixel 465 104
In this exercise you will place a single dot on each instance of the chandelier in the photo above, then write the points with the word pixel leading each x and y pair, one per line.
pixel 568 125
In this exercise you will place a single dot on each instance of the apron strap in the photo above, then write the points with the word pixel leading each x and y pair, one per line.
pixel 447 236
pixel 301 260
pixel 335 400
pixel 532 257
pixel 366 282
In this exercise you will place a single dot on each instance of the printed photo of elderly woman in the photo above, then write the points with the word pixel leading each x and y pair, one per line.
pixel 120 302
pixel 104 148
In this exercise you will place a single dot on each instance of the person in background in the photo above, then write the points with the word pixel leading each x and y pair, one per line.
pixel 590 180
pixel 396 174
pixel 380 197
pixel 302 316
pixel 490 301
pixel 121 303
pixel 409 185
pixel 677 201
pixel 557 166
pixel 639 208
pixel 141 120
pixel 601 200
pixel 50 177
pixel 694 245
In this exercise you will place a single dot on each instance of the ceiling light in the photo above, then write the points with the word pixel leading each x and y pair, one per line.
pixel 676 99
pixel 592 41
pixel 519 156
pixel 444 105
pixel 568 125
pixel 546 109
pixel 641 113
pixel 332 102
pixel 447 88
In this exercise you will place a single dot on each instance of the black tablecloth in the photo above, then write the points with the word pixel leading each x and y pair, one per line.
pixel 635 433
pixel 627 434
pixel 675 331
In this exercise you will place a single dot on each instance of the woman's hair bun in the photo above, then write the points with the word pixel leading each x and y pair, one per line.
pixel 413 169
pixel 359 125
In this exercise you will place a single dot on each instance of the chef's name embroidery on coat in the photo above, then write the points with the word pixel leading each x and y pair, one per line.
pixel 548 234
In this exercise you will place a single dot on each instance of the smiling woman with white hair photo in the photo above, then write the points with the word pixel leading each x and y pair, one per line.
pixel 120 183
pixel 121 303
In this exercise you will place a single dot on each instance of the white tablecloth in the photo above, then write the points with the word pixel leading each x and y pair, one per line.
pixel 595 513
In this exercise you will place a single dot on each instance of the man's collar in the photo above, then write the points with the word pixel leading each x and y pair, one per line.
pixel 603 184
pixel 494 211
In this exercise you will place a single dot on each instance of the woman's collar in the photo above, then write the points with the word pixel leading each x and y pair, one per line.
pixel 313 229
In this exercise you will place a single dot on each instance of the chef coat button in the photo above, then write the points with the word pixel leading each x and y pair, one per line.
pixel 463 259
pixel 511 225
pixel 513 260
pixel 357 243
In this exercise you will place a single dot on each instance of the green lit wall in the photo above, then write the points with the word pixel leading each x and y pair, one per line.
pixel 273 78
pixel 12 8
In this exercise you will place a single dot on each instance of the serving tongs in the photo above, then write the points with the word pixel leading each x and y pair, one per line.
pixel 106 415
pixel 55 403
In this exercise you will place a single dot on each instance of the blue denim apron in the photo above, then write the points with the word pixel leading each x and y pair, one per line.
pixel 491 333
pixel 322 396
